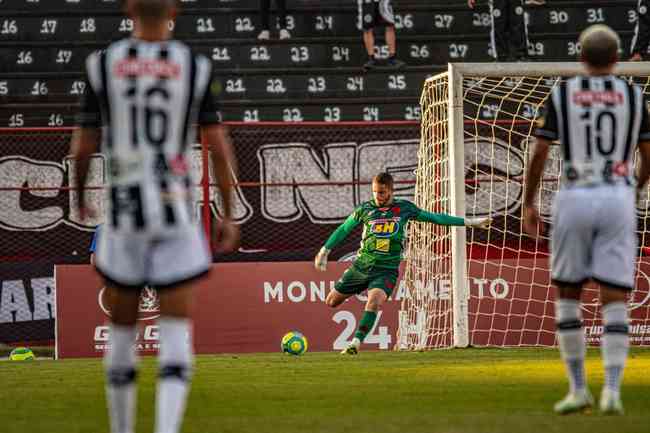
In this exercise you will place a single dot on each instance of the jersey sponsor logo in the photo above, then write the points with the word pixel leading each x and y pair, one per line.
pixel 150 67
pixel 384 228
pixel 589 97
pixel 382 245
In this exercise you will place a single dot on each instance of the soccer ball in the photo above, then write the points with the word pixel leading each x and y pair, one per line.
pixel 22 354
pixel 294 343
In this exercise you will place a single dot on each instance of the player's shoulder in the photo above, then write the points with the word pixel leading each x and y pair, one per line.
pixel 365 206
pixel 197 57
pixel 404 204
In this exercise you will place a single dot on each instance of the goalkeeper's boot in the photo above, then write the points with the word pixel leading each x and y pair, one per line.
pixel 610 402
pixel 353 347
pixel 574 402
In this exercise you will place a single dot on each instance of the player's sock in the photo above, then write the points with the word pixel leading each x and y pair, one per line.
pixel 366 324
pixel 572 341
pixel 175 363
pixel 119 362
pixel 615 344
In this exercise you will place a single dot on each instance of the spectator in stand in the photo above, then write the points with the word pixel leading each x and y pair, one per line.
pixel 509 34
pixel 93 244
pixel 641 38
pixel 265 6
pixel 374 13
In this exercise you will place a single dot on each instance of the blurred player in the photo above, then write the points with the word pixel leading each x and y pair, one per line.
pixel 509 32
pixel 599 120
pixel 147 92
pixel 641 38
pixel 376 267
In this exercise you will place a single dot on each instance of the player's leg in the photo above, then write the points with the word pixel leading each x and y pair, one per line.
pixel 120 359
pixel 615 249
pixel 381 283
pixel 571 339
pixel 614 347
pixel 176 265
pixel 366 18
pixel 387 18
pixel 571 244
pixel 120 261
pixel 369 44
pixel 336 298
pixel 352 282
pixel 376 298
pixel 175 357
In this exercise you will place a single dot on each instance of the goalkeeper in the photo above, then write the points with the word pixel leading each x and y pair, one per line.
pixel 376 267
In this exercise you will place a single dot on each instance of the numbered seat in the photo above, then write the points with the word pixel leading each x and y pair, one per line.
pixel 321 84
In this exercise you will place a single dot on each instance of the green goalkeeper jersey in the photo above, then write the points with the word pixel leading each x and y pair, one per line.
pixel 384 230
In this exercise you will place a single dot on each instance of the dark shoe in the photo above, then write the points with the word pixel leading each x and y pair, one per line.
pixel 370 64
pixel 394 63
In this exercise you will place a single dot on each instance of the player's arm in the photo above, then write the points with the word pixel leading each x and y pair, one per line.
pixel 450 220
pixel 644 170
pixel 224 166
pixel 338 236
pixel 644 147
pixel 85 143
pixel 546 132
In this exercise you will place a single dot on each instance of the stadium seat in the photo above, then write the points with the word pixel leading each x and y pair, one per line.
pixel 45 44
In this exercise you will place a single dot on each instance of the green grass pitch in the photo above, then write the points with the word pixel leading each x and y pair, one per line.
pixel 472 390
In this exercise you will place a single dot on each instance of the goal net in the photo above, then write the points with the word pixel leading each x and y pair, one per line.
pixel 475 287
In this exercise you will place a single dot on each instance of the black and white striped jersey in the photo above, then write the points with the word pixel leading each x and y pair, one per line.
pixel 598 122
pixel 147 97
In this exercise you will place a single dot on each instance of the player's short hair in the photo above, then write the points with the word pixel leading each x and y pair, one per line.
pixel 151 9
pixel 384 178
pixel 600 45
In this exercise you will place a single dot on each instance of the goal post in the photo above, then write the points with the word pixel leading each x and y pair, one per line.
pixel 491 287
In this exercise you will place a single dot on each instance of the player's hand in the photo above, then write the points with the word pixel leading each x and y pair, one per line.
pixel 320 262
pixel 636 58
pixel 471 3
pixel 531 221
pixel 478 223
pixel 229 237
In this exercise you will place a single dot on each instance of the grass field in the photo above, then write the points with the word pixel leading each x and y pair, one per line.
pixel 473 390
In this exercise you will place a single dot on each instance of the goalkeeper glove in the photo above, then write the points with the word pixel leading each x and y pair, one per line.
pixel 478 223
pixel 320 262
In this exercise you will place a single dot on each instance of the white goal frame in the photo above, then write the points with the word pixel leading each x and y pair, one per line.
pixel 455 74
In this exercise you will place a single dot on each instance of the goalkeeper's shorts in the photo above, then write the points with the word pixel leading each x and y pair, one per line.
pixel 594 236
pixel 356 280
pixel 136 259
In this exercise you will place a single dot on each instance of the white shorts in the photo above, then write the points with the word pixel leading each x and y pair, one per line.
pixel 594 236
pixel 136 259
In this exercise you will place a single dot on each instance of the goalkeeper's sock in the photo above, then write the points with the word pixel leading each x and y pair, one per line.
pixel 571 337
pixel 615 344
pixel 366 324
pixel 175 363
pixel 119 362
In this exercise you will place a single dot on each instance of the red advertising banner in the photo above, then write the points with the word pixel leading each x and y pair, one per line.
pixel 240 307
pixel 248 307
